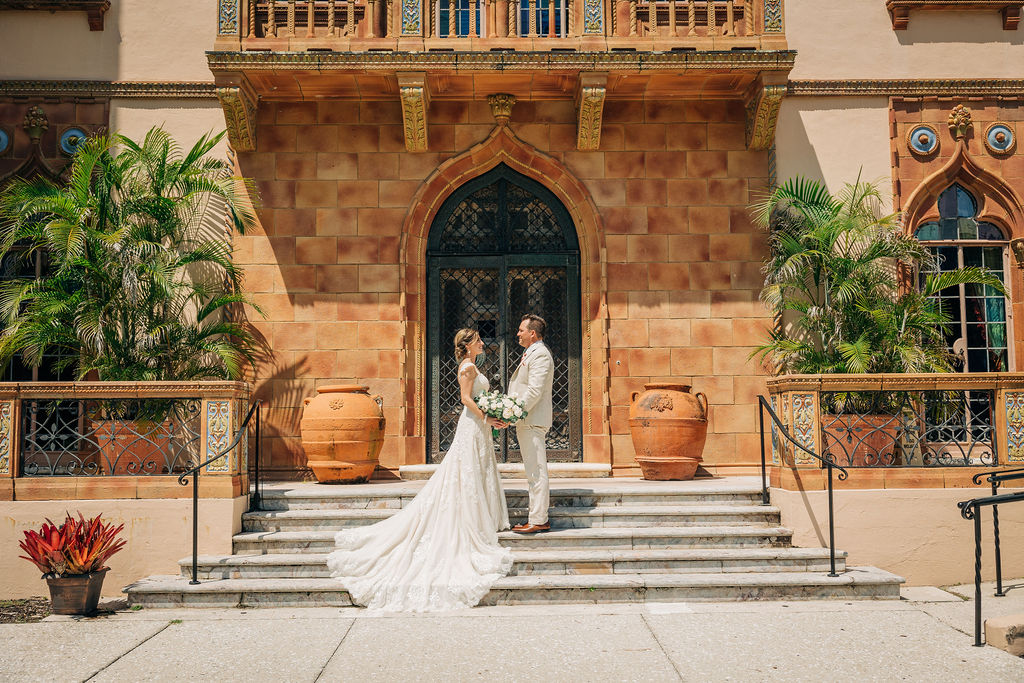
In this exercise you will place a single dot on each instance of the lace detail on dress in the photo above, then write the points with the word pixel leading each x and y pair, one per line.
pixel 440 552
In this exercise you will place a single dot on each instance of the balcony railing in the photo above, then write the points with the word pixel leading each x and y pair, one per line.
pixel 334 24
pixel 901 421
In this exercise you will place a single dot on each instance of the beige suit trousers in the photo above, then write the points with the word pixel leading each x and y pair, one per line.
pixel 535 461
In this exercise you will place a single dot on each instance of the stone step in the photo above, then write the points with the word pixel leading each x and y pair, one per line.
pixel 543 562
pixel 559 517
pixel 515 470
pixel 263 542
pixel 395 495
pixel 856 583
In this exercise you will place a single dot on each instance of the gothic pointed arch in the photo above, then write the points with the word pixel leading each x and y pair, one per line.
pixel 503 147
pixel 997 202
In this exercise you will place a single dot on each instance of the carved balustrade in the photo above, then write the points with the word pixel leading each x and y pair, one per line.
pixel 356 25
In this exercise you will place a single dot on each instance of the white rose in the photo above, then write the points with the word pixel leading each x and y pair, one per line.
pixel 506 413
pixel 518 411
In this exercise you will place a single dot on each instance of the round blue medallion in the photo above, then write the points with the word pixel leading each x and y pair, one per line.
pixel 5 141
pixel 999 138
pixel 922 140
pixel 71 139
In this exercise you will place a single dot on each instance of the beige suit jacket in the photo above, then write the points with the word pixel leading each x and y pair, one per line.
pixel 531 382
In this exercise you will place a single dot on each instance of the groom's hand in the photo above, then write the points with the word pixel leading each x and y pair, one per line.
pixel 496 423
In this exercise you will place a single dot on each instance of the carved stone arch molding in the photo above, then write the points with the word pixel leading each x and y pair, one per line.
pixel 503 147
pixel 997 201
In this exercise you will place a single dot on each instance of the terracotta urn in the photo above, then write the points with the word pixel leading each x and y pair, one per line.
pixel 669 426
pixel 342 432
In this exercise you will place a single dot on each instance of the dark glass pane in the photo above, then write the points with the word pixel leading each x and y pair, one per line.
pixel 997 335
pixel 947 258
pixel 951 307
pixel 998 360
pixel 973 257
pixel 992 257
pixel 947 203
pixel 974 289
pixel 928 232
pixel 987 231
pixel 974 308
pixel 995 309
pixel 977 360
pixel 976 336
pixel 948 229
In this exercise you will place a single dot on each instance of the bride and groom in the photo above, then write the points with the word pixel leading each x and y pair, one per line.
pixel 441 552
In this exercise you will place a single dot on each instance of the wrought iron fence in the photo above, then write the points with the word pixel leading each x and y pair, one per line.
pixel 109 436
pixel 935 428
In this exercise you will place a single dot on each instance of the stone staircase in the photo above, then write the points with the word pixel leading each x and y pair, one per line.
pixel 612 540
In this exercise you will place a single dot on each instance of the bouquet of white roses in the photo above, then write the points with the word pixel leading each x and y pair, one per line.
pixel 501 406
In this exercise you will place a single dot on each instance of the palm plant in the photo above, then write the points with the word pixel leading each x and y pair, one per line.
pixel 840 276
pixel 139 283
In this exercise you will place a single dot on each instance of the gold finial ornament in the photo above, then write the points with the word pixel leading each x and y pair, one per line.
pixel 35 123
pixel 501 107
pixel 960 121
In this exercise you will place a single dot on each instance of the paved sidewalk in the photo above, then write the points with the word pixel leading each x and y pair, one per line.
pixel 925 636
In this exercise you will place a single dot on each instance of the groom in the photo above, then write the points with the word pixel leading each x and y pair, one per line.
pixel 531 382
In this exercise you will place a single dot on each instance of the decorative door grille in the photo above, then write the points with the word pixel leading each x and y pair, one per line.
pixel 500 247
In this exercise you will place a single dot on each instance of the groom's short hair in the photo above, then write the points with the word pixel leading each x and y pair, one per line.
pixel 536 323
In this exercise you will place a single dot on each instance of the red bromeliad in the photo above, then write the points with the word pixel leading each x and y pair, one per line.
pixel 78 546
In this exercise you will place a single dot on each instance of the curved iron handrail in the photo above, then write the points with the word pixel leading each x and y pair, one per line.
pixel 971 509
pixel 995 478
pixel 843 474
pixel 194 473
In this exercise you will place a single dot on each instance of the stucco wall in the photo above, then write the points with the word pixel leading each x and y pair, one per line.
pixel 185 120
pixel 158 532
pixel 855 39
pixel 142 40
pixel 918 534
pixel 835 139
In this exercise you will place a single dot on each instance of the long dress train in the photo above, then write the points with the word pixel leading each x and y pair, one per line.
pixel 440 552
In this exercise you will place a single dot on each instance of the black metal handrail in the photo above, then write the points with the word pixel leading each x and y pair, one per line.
pixel 995 479
pixel 194 472
pixel 764 405
pixel 971 509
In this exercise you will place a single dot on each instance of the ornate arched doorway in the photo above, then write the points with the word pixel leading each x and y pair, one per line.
pixel 500 246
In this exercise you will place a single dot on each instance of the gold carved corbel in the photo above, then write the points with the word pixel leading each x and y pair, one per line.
pixel 762 114
pixel 239 103
pixel 590 96
pixel 412 88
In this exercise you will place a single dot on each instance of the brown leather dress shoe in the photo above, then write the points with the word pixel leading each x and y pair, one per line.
pixel 531 528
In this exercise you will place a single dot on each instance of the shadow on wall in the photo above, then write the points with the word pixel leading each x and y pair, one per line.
pixel 964 27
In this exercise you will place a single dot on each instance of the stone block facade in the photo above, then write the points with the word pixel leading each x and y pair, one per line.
pixel 670 260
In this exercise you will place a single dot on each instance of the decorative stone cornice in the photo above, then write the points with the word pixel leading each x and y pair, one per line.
pixel 239 104
pixel 593 88
pixel 899 10
pixel 415 96
pixel 754 60
pixel 133 89
pixel 997 87
pixel 501 107
pixel 94 9
pixel 762 115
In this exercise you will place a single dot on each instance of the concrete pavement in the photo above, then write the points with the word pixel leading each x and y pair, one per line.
pixel 925 636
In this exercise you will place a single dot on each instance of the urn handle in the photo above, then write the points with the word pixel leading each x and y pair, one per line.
pixel 702 399
pixel 306 401
pixel 633 397
pixel 379 400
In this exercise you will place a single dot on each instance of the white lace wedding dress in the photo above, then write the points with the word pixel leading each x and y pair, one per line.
pixel 440 552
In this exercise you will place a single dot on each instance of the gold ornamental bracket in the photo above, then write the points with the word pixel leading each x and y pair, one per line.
pixel 590 95
pixel 763 103
pixel 415 96
pixel 239 102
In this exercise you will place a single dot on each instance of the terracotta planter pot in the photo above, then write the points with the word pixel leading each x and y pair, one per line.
pixel 77 594
pixel 669 426
pixel 342 433
pixel 863 440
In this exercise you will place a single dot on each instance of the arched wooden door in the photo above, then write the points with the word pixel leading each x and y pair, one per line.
pixel 501 246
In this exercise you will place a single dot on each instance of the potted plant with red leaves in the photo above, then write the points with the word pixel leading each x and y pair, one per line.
pixel 73 559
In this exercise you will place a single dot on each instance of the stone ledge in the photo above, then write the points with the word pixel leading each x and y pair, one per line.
pixel 1006 633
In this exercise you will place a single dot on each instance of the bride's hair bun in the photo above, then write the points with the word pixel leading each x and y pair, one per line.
pixel 463 338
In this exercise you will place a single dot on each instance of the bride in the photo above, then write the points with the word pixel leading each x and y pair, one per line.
pixel 440 552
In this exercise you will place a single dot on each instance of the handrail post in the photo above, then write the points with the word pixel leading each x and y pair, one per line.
pixel 831 528
pixel 195 529
pixel 995 533
pixel 254 504
pixel 764 476
pixel 977 576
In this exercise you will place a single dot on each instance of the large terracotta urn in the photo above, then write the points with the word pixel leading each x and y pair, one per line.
pixel 342 432
pixel 669 426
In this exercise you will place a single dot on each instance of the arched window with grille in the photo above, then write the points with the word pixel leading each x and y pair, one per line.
pixel 980 331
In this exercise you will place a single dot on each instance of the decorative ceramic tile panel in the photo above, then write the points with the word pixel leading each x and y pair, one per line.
pixel 218 434
pixel 6 435
pixel 1015 426
pixel 803 426
pixel 773 16
pixel 411 18
pixel 593 17
pixel 774 400
pixel 227 24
